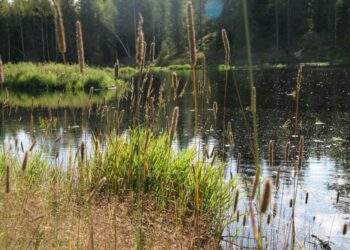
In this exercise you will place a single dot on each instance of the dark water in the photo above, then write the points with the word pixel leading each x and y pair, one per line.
pixel 325 124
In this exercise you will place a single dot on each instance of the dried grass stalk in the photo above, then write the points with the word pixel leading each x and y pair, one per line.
pixel 2 75
pixel 96 189
pixel 116 69
pixel 7 188
pixel 25 161
pixel 191 34
pixel 80 46
pixel 226 46
pixel 173 127
pixel 152 53
pixel 61 35
pixel 301 153
pixel 140 42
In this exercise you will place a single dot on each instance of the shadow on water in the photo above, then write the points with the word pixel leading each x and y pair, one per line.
pixel 60 122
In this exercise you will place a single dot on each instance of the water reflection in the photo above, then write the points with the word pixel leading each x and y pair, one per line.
pixel 325 125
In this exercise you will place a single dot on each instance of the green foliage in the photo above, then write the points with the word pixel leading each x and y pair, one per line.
pixel 40 77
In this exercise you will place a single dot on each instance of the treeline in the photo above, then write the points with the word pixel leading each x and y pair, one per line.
pixel 281 30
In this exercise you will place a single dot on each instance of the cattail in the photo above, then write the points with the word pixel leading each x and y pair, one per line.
pixel 338 196
pixel 244 220
pixel 22 148
pixel 268 219
pixel 253 101
pixel 174 81
pixel 278 177
pixel 174 121
pixel 238 162
pixel 237 216
pixel 191 34
pixel 299 77
pixel 140 42
pixel 96 189
pixel 236 201
pixel 7 188
pixel 345 229
pixel 266 196
pixel 80 46
pixel 255 186
pixel 60 30
pixel 271 153
pixel 287 150
pixel 214 157
pixel 82 151
pixel 291 203
pixel 152 52
pixel 226 46
pixel 25 161
pixel 307 198
pixel 32 146
pixel 301 150
pixel 116 69
pixel 2 75
pixel 215 109
pixel 274 210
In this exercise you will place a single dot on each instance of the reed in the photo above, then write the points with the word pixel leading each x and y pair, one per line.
pixel 239 156
pixel 298 88
pixel 140 45
pixel 278 178
pixel 96 189
pixel 152 53
pixel 116 69
pixel 193 53
pixel 345 229
pixel 173 127
pixel 2 74
pixel 266 196
pixel 60 33
pixel 271 153
pixel 25 161
pixel 7 186
pixel 286 151
pixel 80 46
pixel 253 101
pixel 301 153
pixel 227 47
pixel 236 201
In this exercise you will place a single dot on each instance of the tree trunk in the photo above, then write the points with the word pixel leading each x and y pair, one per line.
pixel 22 38
pixel 8 43
pixel 42 38
pixel 277 27
pixel 47 41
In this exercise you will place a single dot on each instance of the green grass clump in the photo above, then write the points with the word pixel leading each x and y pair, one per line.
pixel 50 76
pixel 134 163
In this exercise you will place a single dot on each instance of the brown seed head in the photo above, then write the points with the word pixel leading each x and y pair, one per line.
pixel 61 36
pixel 80 46
pixel 266 196
pixel 25 161
pixel 191 34
pixel 226 46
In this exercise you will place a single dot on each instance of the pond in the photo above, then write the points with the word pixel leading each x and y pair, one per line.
pixel 59 122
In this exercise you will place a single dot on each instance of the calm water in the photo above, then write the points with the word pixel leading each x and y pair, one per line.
pixel 60 122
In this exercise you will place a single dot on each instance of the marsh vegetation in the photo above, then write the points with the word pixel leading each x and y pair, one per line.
pixel 183 157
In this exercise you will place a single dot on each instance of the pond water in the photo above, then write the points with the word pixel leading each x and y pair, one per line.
pixel 59 122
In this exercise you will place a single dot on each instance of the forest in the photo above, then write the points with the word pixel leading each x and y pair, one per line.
pixel 287 31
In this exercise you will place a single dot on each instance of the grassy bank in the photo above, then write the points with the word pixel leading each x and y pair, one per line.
pixel 148 185
pixel 50 76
